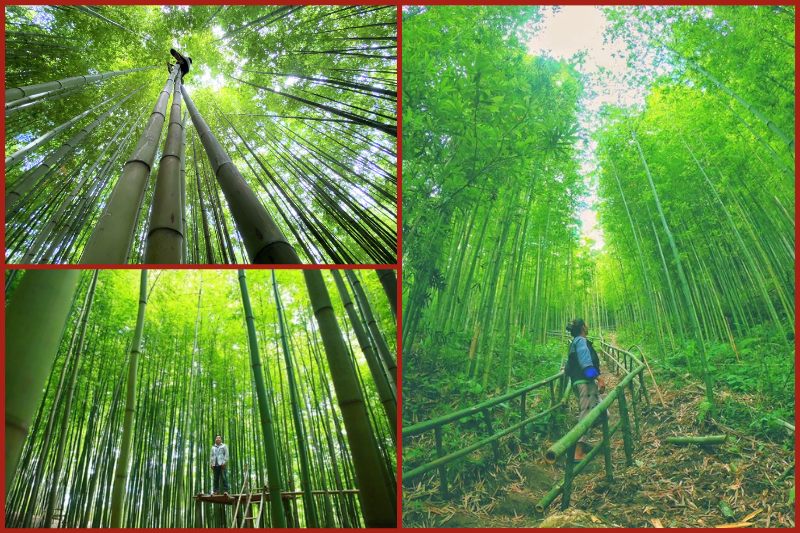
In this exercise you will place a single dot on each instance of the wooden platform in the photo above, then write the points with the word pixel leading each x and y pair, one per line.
pixel 255 497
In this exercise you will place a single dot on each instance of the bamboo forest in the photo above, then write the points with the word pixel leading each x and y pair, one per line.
pixel 275 144
pixel 613 182
pixel 119 382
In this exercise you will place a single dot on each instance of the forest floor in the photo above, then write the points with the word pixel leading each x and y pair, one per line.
pixel 736 484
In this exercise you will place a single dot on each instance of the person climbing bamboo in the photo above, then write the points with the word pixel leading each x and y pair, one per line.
pixel 183 62
pixel 583 369
pixel 219 462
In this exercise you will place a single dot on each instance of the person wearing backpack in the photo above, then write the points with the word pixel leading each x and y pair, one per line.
pixel 583 369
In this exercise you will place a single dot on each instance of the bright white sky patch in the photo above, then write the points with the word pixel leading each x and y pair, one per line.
pixel 565 32
pixel 208 80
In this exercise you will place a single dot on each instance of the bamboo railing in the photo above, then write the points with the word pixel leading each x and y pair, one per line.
pixel 556 401
pixel 630 389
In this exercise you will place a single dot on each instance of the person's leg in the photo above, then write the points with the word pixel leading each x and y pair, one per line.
pixel 588 398
pixel 225 484
pixel 216 479
pixel 594 400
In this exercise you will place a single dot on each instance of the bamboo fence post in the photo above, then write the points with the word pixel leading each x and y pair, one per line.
pixel 487 420
pixel 626 427
pixel 566 488
pixel 523 408
pixel 607 451
pixel 552 418
pixel 635 406
pixel 443 488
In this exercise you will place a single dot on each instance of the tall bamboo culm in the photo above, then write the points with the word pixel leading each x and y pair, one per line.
pixel 35 320
pixel 264 411
pixel 385 388
pixel 376 493
pixel 263 239
pixel 111 239
pixel 165 237
pixel 121 472
pixel 389 282
pixel 15 93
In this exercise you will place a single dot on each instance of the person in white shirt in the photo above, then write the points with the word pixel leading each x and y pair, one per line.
pixel 219 461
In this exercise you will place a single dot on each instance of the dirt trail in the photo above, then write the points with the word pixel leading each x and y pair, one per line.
pixel 667 486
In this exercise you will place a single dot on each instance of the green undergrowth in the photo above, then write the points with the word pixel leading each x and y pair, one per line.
pixel 753 384
pixel 438 383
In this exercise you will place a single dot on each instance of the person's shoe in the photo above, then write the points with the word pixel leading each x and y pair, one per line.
pixel 581 450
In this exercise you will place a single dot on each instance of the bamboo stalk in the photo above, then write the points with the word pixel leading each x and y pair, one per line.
pixel 123 462
pixel 165 235
pixel 389 283
pixel 35 319
pixel 265 413
pixel 16 93
pixel 378 502
pixel 112 236
pixel 263 239
pixel 29 181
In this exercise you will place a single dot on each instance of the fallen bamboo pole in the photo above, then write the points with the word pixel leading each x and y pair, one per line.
pixel 706 439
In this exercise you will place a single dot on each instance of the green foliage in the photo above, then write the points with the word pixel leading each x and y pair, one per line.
pixel 195 380
pixel 491 185
pixel 328 180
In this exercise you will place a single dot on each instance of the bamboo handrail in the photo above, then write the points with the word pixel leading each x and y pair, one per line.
pixel 422 427
pixel 493 436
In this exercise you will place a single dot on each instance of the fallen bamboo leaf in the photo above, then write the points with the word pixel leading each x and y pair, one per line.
pixel 752 515
pixel 727 512
pixel 656 523
pixel 737 524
